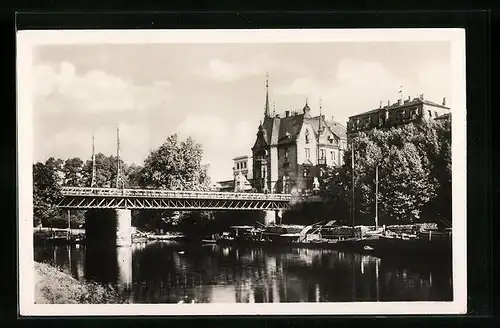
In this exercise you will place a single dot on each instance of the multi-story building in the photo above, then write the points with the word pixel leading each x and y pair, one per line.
pixel 290 151
pixel 398 113
pixel 242 172
pixel 243 166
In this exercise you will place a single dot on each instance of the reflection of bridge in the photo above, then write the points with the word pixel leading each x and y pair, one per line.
pixel 115 198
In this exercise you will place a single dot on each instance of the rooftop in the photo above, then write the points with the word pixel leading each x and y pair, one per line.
pixel 405 103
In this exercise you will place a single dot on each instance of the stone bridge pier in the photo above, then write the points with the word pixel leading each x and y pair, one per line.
pixel 109 226
pixel 273 217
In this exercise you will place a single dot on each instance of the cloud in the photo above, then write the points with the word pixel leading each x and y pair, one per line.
pixel 221 139
pixel 95 91
pixel 353 86
pixel 226 70
pixel 77 142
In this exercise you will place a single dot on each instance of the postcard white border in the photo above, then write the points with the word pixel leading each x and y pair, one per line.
pixel 28 39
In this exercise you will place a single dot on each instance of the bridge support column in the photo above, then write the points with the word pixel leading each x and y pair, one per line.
pixel 270 217
pixel 279 216
pixel 123 227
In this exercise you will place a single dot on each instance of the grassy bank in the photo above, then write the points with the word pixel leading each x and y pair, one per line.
pixel 52 286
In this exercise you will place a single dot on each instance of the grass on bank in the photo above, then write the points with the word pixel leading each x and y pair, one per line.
pixel 53 286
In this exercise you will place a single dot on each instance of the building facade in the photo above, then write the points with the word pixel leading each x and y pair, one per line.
pixel 290 151
pixel 243 165
pixel 398 113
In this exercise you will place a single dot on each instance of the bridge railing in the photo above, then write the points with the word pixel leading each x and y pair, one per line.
pixel 114 192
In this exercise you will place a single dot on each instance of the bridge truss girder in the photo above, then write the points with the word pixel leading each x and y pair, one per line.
pixel 82 203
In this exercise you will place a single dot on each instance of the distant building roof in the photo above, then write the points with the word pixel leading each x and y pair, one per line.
pixel 290 128
pixel 242 157
pixel 282 130
pixel 407 103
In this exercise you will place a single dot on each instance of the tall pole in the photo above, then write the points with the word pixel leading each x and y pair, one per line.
pixel 69 226
pixel 118 173
pixel 92 181
pixel 352 185
pixel 376 197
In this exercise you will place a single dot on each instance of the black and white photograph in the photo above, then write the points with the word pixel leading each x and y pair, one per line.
pixel 213 172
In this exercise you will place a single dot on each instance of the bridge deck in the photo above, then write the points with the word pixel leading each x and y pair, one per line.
pixel 86 198
pixel 170 194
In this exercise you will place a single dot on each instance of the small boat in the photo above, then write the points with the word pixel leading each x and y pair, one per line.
pixel 181 252
pixel 368 248
pixel 208 241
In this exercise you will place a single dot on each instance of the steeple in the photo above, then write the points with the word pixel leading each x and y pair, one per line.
pixel 266 111
pixel 307 110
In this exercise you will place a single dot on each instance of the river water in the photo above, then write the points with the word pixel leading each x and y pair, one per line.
pixel 169 272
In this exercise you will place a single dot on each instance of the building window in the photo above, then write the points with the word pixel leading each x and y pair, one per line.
pixel 332 155
pixel 286 153
pixel 322 153
pixel 308 153
pixel 430 113
pixel 306 172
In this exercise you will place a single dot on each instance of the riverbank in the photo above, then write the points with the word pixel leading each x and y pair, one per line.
pixel 53 286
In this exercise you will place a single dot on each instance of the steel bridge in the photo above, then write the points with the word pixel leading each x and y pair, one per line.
pixel 117 198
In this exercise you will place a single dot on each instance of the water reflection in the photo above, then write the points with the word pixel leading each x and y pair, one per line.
pixel 172 273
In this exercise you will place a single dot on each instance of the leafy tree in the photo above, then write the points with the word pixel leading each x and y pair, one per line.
pixel 105 171
pixel 414 164
pixel 73 172
pixel 176 165
pixel 133 173
pixel 46 191
pixel 57 166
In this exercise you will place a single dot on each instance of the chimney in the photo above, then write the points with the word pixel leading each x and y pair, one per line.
pixel 333 118
pixel 444 101
pixel 400 101
pixel 287 113
pixel 409 98
pixel 388 103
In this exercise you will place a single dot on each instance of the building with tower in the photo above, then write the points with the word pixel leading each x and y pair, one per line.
pixel 291 151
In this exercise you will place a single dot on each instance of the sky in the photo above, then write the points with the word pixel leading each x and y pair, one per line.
pixel 214 93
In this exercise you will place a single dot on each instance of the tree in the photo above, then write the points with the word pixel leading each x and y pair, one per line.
pixel 414 172
pixel 105 171
pixel 133 173
pixel 176 165
pixel 46 192
pixel 73 172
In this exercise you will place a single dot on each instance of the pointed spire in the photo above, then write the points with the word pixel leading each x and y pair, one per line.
pixel 266 111
pixel 307 110
pixel 274 109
